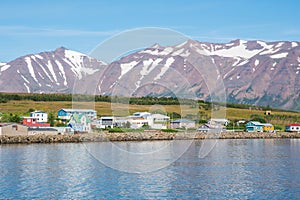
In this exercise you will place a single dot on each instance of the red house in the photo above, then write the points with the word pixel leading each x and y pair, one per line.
pixel 33 122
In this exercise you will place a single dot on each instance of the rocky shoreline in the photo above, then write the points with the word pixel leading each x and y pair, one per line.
pixel 140 136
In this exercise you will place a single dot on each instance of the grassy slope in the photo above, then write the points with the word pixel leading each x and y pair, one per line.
pixel 104 109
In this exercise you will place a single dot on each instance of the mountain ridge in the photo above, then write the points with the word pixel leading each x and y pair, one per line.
pixel 253 72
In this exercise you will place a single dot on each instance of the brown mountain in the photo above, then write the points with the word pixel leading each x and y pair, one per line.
pixel 253 72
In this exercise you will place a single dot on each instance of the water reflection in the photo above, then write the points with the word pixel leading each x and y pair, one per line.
pixel 234 169
pixel 138 157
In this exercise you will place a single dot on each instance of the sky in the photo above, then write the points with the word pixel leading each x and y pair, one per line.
pixel 33 26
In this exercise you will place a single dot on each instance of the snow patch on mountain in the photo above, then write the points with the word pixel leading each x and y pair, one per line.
pixel 75 57
pixel 4 67
pixel 237 51
pixel 165 68
pixel 50 67
pixel 294 44
pixel 149 65
pixel 256 62
pixel 125 67
pixel 27 88
pixel 280 55
pixel 25 79
pixel 279 44
pixel 61 69
pixel 30 68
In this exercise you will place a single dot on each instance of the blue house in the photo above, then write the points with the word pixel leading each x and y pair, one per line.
pixel 254 126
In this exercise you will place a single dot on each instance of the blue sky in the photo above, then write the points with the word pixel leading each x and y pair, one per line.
pixel 33 26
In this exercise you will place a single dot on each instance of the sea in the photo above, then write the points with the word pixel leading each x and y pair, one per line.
pixel 183 169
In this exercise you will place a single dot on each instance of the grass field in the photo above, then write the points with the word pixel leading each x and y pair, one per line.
pixel 104 109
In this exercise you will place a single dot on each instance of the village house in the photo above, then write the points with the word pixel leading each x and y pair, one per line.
pixel 34 122
pixel 292 128
pixel 268 127
pixel 80 123
pixel 105 122
pixel 254 126
pixel 66 114
pixel 11 129
pixel 41 116
pixel 182 123
pixel 218 122
pixel 158 121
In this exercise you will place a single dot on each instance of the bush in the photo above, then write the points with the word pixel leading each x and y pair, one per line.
pixel 169 130
pixel 116 130
pixel 124 130
pixel 278 128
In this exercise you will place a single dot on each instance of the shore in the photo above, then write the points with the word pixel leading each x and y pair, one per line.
pixel 140 136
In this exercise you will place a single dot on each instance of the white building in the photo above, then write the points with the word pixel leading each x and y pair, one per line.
pixel 217 121
pixel 105 122
pixel 154 121
pixel 41 116
pixel 158 121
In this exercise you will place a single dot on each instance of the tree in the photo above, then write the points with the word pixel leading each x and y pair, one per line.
pixel 51 119
pixel 30 110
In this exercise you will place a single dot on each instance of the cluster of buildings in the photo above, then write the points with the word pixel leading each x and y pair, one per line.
pixel 83 120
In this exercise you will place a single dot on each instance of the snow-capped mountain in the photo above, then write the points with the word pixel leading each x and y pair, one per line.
pixel 47 72
pixel 254 72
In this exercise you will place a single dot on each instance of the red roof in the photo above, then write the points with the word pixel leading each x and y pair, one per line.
pixel 293 125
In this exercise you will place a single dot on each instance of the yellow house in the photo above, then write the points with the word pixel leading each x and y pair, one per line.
pixel 268 127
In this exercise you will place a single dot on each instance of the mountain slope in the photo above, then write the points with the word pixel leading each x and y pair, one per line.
pixel 48 72
pixel 253 72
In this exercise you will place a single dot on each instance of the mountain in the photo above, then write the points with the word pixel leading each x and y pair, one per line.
pixel 253 72
pixel 48 72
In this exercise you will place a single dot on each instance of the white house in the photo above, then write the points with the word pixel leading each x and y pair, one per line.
pixel 80 123
pixel 158 121
pixel 105 122
pixel 140 119
pixel 41 116
pixel 65 114
pixel 218 121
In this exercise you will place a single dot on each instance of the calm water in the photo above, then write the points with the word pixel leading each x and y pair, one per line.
pixel 255 169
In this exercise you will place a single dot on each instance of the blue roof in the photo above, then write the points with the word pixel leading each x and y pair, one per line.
pixel 255 123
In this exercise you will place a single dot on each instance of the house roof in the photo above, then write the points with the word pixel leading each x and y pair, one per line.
pixel 38 111
pixel 219 120
pixel 293 125
pixel 77 118
pixel 255 123
pixel 182 121
pixel 78 110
